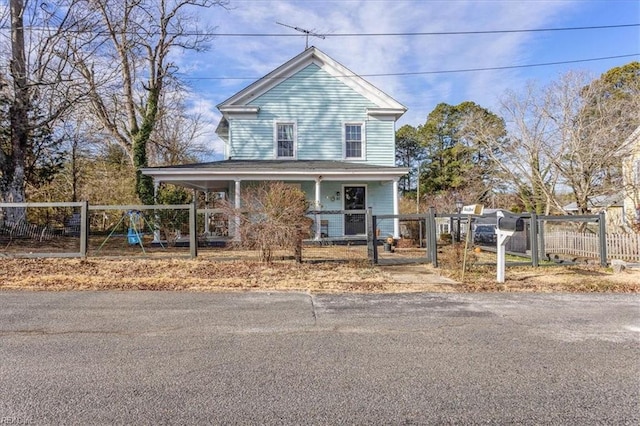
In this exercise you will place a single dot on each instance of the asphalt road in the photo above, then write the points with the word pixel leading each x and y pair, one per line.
pixel 291 358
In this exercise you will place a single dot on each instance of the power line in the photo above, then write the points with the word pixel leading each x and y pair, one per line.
pixel 336 35
pixel 432 33
pixel 543 64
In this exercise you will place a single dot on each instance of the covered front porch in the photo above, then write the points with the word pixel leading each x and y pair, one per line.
pixel 330 186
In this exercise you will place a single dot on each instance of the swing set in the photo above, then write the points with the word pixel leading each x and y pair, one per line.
pixel 135 230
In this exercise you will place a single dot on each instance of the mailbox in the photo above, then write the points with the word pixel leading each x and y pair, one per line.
pixel 507 225
pixel 510 223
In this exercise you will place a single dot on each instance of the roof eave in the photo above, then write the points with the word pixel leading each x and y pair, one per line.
pixel 371 174
pixel 386 113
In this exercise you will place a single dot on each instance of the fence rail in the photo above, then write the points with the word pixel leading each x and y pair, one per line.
pixel 619 246
pixel 75 229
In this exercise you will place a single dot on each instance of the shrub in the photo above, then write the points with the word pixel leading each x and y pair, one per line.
pixel 272 216
pixel 446 237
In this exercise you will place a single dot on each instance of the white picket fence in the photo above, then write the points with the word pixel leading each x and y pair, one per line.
pixel 23 229
pixel 619 246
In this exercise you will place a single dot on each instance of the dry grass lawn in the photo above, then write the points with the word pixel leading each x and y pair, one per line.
pixel 210 274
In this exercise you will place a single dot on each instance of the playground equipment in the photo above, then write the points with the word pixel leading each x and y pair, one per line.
pixel 135 229
pixel 136 226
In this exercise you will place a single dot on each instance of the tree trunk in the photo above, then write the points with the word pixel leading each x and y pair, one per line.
pixel 13 175
pixel 144 184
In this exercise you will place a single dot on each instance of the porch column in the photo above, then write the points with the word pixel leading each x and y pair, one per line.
pixel 317 207
pixel 396 210
pixel 236 230
pixel 156 185
pixel 206 213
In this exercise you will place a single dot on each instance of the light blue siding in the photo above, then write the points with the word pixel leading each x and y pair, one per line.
pixel 320 104
pixel 251 139
pixel 381 142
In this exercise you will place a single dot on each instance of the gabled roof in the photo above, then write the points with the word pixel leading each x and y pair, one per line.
pixel 386 105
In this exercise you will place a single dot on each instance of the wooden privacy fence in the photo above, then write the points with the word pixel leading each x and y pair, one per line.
pixel 619 246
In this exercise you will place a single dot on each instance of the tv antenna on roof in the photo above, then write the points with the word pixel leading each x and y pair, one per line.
pixel 306 32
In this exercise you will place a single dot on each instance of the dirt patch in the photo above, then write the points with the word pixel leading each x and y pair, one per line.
pixel 203 274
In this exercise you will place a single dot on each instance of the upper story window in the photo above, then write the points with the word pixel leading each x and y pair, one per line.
pixel 353 141
pixel 285 140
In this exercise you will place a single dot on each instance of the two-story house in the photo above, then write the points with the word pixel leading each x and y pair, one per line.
pixel 314 123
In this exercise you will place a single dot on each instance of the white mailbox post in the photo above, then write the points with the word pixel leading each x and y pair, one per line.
pixel 506 226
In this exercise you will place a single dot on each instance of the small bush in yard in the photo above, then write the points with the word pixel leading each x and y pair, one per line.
pixel 446 237
pixel 272 216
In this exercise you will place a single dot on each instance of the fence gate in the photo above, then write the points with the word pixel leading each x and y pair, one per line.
pixel 417 242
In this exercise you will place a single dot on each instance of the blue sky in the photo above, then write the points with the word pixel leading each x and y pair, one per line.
pixel 214 75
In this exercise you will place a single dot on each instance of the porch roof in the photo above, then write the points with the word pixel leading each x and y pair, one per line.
pixel 215 175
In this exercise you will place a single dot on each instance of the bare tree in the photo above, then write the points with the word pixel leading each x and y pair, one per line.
pixel 126 62
pixel 565 137
pixel 39 93
pixel 587 150
pixel 521 159
pixel 13 156
pixel 178 134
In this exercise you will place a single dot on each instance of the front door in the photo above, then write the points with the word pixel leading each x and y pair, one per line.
pixel 354 199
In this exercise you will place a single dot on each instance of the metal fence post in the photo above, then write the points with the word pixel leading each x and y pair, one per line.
pixel 193 237
pixel 84 228
pixel 431 235
pixel 427 237
pixel 533 235
pixel 542 249
pixel 602 230
pixel 372 238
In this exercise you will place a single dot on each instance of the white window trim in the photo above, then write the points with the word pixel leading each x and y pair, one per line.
pixel 344 139
pixel 295 138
